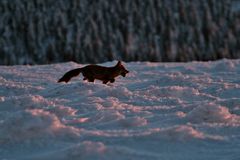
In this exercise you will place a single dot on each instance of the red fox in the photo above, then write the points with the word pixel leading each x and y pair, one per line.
pixel 92 72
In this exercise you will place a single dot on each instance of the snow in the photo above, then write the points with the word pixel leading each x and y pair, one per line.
pixel 159 111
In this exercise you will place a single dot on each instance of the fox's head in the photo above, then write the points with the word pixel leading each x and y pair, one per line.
pixel 122 70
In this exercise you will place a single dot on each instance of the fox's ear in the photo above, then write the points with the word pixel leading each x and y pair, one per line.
pixel 119 63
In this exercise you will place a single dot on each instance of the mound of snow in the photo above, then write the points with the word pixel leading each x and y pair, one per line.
pixel 212 113
pixel 186 132
pixel 31 124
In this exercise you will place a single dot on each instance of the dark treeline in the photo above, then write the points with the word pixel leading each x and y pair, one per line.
pixel 93 31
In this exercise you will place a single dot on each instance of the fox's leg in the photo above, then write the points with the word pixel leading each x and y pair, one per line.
pixel 105 81
pixel 90 79
pixel 112 80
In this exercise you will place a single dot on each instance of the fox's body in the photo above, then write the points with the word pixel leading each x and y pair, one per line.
pixel 92 72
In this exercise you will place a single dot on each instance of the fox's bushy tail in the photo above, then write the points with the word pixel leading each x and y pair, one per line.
pixel 69 75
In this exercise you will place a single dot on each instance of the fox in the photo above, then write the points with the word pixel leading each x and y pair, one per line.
pixel 92 72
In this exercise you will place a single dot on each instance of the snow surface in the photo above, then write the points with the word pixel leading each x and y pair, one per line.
pixel 159 111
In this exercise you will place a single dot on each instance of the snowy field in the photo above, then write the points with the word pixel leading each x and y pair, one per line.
pixel 164 111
